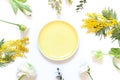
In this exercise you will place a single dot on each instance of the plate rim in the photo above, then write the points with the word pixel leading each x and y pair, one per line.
pixel 58 59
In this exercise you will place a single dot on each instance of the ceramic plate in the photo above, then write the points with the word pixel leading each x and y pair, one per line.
pixel 58 40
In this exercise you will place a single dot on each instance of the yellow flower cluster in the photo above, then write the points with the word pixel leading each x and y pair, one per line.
pixel 96 22
pixel 12 49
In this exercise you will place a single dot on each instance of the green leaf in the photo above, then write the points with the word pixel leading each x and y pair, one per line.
pixel 102 32
pixel 19 4
pixel 115 52
pixel 109 13
pixel 1 42
pixel 116 33
pixel 21 77
pixel 23 7
pixel 115 63
pixel 14 6
pixel 23 1
pixel 26 7
pixel 80 5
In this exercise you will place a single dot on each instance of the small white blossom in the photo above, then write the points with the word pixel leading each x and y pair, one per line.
pixel 26 69
pixel 83 67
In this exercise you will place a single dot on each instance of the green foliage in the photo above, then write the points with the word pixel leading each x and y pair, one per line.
pixel 115 63
pixel 20 4
pixel 56 4
pixel 115 52
pixel 1 42
pixel 109 14
pixel 102 32
pixel 23 1
pixel 80 5
pixel 116 34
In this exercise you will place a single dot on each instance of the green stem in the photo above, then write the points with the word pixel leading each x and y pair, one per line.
pixel 88 72
pixel 21 77
pixel 90 76
pixel 20 26
pixel 115 64
pixel 9 22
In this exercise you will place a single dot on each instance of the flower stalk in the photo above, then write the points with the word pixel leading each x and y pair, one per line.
pixel 88 72
pixel 20 26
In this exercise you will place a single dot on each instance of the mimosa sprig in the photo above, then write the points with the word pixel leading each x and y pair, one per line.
pixel 20 4
pixel 10 50
pixel 103 24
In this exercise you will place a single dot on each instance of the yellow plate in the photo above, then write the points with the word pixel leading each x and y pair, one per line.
pixel 58 40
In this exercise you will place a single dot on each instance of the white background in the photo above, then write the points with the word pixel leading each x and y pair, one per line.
pixel 42 14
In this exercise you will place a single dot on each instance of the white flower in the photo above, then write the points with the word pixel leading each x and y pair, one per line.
pixel 83 67
pixel 26 69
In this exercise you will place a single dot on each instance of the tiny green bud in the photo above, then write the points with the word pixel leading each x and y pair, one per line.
pixel 22 27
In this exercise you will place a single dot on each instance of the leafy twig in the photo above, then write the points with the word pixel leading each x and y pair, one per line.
pixel 80 5
pixel 20 4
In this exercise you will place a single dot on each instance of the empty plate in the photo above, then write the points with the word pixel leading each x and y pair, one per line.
pixel 58 40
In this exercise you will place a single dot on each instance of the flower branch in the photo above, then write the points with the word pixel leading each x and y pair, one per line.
pixel 103 24
pixel 20 26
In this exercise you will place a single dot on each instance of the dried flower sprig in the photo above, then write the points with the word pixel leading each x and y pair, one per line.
pixel 20 4
pixel 103 24
pixel 70 1
pixel 57 5
pixel 80 5
pixel 20 26
pixel 59 75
